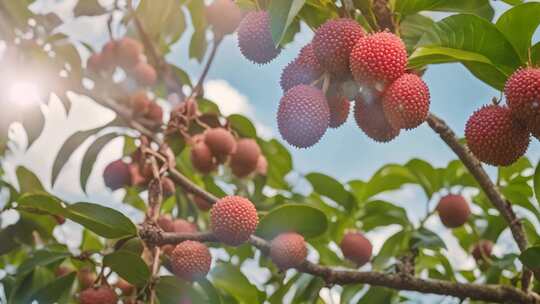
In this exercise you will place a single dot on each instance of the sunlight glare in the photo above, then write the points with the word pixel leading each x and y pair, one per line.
pixel 23 93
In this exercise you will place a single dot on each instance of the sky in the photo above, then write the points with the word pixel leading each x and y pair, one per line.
pixel 239 86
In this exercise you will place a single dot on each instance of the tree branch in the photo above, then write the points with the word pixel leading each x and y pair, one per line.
pixel 199 87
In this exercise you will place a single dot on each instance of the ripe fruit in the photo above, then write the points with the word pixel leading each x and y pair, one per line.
pixel 244 159
pixel 190 260
pixel 201 158
pixel 86 278
pixel 296 73
pixel 233 219
pixel 168 186
pixel 288 250
pixel 379 57
pixel 125 287
pixel 201 203
pixel 128 51
pixel 220 141
pixel 145 74
pixel 303 116
pixel 522 91
pixel 308 58
pixel 406 102
pixel 140 103
pixel 183 226
pixel 339 110
pixel 100 295
pixel 369 116
pixel 165 222
pixel 136 177
pixel 262 165
pixel 108 53
pixel 482 250
pixel 356 247
pixel 453 210
pixel 494 137
pixel 255 38
pixel 333 43
pixel 155 112
pixel 95 62
pixel 224 16
pixel 117 175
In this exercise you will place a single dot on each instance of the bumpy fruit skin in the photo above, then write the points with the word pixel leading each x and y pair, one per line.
pixel 117 175
pixel 495 137
pixel 190 260
pixel 339 108
pixel 333 43
pixel 101 295
pixel 482 250
pixel 296 73
pixel 370 118
pixel 406 102
pixel 201 158
pixel 220 141
pixel 145 74
pixel 233 219
pixel 453 210
pixel 303 116
pixel 307 57
pixel 522 91
pixel 128 52
pixel 288 250
pixel 224 16
pixel 244 159
pixel 356 247
pixel 255 38
pixel 379 57
pixel 168 186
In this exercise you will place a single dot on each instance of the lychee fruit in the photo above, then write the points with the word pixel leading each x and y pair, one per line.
pixel 369 116
pixel 233 219
pixel 262 165
pixel 117 175
pixel 109 54
pixel 333 43
pixel 145 74
pixel 155 112
pixel 168 186
pixel 495 137
pixel 307 57
pixel 224 16
pixel 339 108
pixel 165 222
pixel 220 141
pixel 522 91
pixel 201 203
pixel 190 260
pixel 288 250
pixel 482 250
pixel 95 62
pixel 356 247
pixel 140 103
pixel 202 159
pixel 244 159
pixel 126 288
pixel 183 226
pixel 128 52
pixel 303 116
pixel 102 295
pixel 86 277
pixel 378 58
pixel 136 177
pixel 255 38
pixel 296 73
pixel 453 210
pixel 406 102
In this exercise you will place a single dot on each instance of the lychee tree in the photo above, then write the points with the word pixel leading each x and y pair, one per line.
pixel 220 220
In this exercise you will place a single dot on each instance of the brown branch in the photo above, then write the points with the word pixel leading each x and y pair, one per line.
pixel 197 90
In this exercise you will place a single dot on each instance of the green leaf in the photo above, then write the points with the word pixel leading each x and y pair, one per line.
pixel 154 15
pixel 303 219
pixel 412 28
pixel 536 182
pixel 518 24
pixel 41 258
pixel 535 54
pixel 282 14
pixel 129 266
pixel 171 290
pixel 28 181
pixel 91 242
pixel 279 163
pixel 89 158
pixel 380 213
pixel 481 8
pixel 331 188
pixel 198 44
pixel 230 279
pixel 531 257
pixel 53 291
pixel 210 291
pixel 426 239
pixel 88 8
pixel 40 203
pixel 101 220
pixel 242 125
pixel 377 295
pixel 393 246
pixel 387 178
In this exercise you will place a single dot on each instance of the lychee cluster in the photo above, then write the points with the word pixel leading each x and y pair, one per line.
pixel 499 135
pixel 128 54
pixel 342 64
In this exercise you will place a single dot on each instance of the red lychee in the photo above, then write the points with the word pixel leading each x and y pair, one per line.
pixel 109 54
pixel 145 74
pixel 255 38
pixel 378 58
pixel 165 222
pixel 201 158
pixel 303 116
pixel 482 250
pixel 201 203
pixel 233 219
pixel 356 247
pixel 86 277
pixel 220 141
pixel 190 260
pixel 406 102
pixel 168 186
pixel 453 210
pixel 117 175
pixel 522 91
pixel 140 103
pixel 262 165
pixel 295 74
pixel 244 159
pixel 494 137
pixel 136 177
pixel 308 58
pixel 128 52
pixel 339 108
pixel 369 116
pixel 95 62
pixel 288 250
pixel 155 112
pixel 183 226
pixel 333 43
pixel 224 16
pixel 100 295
